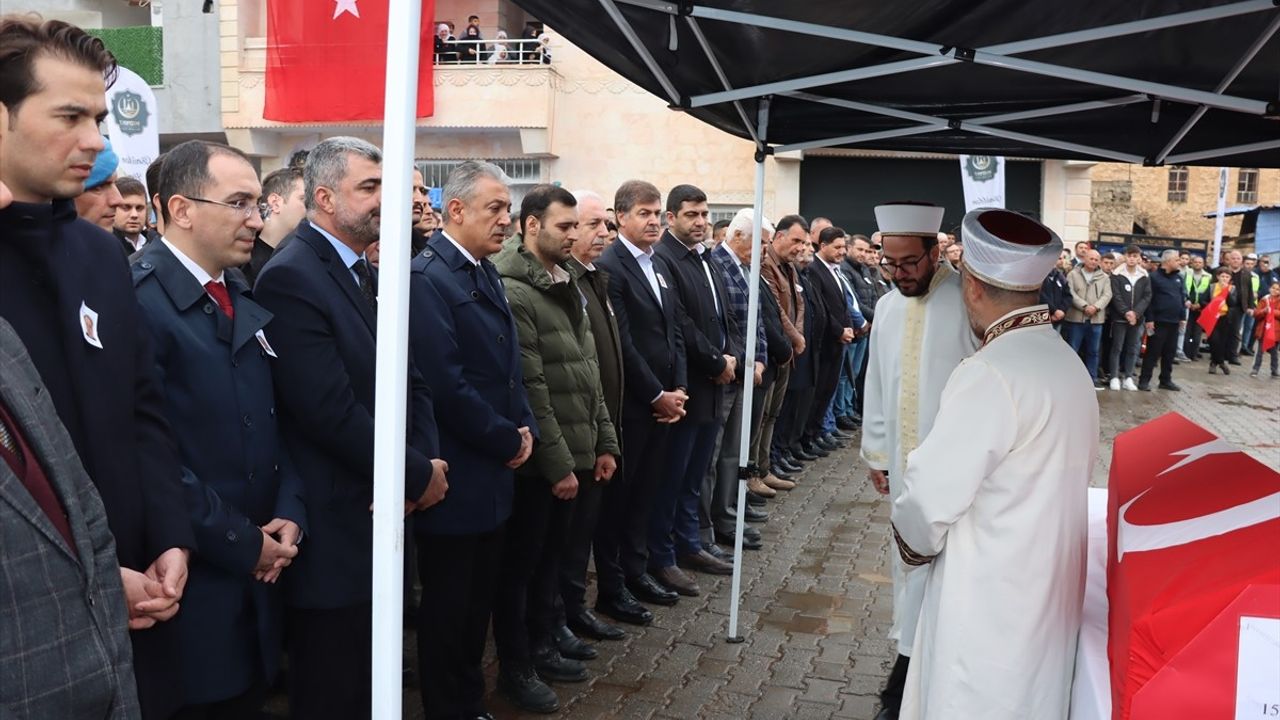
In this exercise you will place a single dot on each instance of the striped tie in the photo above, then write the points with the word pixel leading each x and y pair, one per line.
pixel 7 440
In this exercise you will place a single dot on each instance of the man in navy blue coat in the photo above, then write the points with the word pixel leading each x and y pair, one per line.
pixel 322 293
pixel 65 289
pixel 212 357
pixel 463 338
pixel 648 312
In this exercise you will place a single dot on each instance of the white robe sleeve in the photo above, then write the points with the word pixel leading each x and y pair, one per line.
pixel 875 448
pixel 975 429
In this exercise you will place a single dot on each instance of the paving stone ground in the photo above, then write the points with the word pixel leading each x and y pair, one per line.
pixel 816 600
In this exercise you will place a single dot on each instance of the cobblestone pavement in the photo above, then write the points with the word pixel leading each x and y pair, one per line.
pixel 816 600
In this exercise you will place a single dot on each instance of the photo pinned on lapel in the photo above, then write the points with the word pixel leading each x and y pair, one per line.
pixel 266 346
pixel 89 325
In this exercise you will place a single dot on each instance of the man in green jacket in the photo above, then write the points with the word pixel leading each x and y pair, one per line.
pixel 577 444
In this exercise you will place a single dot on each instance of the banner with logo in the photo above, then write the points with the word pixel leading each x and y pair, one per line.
pixel 983 178
pixel 131 123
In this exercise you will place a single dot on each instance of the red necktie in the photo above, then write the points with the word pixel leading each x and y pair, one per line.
pixel 218 292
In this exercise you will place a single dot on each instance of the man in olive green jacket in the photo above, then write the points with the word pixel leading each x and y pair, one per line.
pixel 577 444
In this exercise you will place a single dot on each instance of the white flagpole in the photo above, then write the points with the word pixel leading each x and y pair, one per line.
pixel 1217 225
pixel 748 377
pixel 392 363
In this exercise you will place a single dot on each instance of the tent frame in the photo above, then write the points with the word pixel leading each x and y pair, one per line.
pixel 398 144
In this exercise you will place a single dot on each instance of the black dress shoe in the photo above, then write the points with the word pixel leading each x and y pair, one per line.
pixel 676 580
pixel 781 474
pixel 646 589
pixel 1233 362
pixel 572 646
pixel 624 607
pixel 840 434
pixel 1169 386
pixel 705 562
pixel 802 454
pixel 748 542
pixel 553 666
pixel 756 500
pixel 846 423
pixel 828 443
pixel 756 516
pixel 816 450
pixel 886 714
pixel 787 464
pixel 527 691
pixel 585 623
pixel 1144 387
pixel 718 552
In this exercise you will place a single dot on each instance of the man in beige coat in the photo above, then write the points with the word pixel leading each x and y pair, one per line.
pixel 1090 295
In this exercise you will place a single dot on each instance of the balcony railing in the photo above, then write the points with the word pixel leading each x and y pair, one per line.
pixel 500 51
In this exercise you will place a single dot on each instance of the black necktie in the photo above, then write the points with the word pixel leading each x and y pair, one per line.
pixel 361 269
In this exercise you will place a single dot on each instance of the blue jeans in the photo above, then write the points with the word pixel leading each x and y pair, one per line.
pixel 846 392
pixel 1084 339
pixel 1246 333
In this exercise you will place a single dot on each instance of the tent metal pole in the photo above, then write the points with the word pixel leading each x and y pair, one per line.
pixel 724 79
pixel 1057 110
pixel 1058 144
pixel 865 137
pixel 392 360
pixel 824 31
pixel 870 108
pixel 831 78
pixel 1223 152
pixel 612 10
pixel 1129 28
pixel 1231 76
pixel 1171 92
pixel 748 379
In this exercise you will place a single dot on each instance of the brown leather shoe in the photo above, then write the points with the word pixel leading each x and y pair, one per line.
pixel 757 486
pixel 777 483
pixel 673 578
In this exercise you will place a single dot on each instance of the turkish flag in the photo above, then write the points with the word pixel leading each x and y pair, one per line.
pixel 1270 333
pixel 1209 315
pixel 327 60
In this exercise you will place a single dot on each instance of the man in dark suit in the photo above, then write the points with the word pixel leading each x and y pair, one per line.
pixel 463 337
pixel 65 289
pixel 282 207
pixel 713 355
pixel 648 315
pixel 243 497
pixel 842 326
pixel 322 295
pixel 131 216
pixel 583 526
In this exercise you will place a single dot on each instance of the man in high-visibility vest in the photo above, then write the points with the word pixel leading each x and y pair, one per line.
pixel 1197 280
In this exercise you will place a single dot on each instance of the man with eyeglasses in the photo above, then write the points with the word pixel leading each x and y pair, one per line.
pixel 243 498
pixel 921 333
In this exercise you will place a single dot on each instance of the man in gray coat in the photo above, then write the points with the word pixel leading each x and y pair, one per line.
pixel 64 639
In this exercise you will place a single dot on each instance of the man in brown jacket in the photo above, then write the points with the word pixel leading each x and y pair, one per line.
pixel 776 269
pixel 1090 294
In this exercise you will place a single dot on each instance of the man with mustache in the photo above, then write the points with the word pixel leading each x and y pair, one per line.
pixel 323 296
pixel 463 336
pixel 53 80
pixel 243 496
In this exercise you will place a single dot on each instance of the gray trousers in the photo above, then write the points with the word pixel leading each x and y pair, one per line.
pixel 718 509
pixel 1126 339
pixel 773 399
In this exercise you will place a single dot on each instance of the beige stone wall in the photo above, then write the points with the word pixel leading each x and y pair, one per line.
pixel 1147 202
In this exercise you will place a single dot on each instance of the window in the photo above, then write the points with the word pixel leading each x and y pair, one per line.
pixel 717 212
pixel 1247 186
pixel 1178 184
pixel 523 174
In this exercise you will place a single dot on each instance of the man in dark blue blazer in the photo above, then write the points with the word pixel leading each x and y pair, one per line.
pixel 463 338
pixel 322 294
pixel 648 313
pixel 713 352
pixel 65 289
pixel 213 359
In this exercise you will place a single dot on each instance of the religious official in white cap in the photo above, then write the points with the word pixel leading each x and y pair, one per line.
pixel 993 508
pixel 920 334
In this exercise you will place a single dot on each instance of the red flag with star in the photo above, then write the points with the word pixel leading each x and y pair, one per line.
pixel 327 60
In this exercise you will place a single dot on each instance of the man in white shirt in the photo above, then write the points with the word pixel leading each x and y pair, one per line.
pixel 920 335
pixel 993 508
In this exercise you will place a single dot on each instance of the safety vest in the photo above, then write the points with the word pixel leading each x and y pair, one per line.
pixel 1199 286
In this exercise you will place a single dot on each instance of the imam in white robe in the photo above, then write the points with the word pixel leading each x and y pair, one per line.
pixel 995 507
pixel 915 344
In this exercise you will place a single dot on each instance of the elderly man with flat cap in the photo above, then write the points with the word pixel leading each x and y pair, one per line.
pixel 993 506
pixel 921 333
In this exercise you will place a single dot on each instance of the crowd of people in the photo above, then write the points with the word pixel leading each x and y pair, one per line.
pixel 1124 312
pixel 187 387
pixel 532 48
